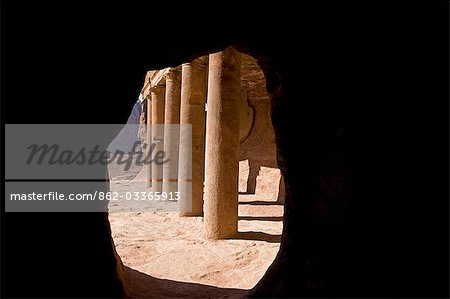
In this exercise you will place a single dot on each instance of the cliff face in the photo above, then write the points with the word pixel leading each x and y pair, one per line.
pixel 256 130
pixel 129 134
pixel 257 135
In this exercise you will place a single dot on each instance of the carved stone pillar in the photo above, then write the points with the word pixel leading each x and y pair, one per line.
pixel 222 144
pixel 171 130
pixel 191 162
pixel 148 166
pixel 157 93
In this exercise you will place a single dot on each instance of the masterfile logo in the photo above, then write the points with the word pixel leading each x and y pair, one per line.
pixel 84 168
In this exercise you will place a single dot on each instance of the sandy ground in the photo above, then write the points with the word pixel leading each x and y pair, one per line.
pixel 167 255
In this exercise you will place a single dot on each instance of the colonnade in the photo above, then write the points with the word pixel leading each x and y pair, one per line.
pixel 203 169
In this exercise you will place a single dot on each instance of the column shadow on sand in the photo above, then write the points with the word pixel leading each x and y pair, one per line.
pixel 245 193
pixel 261 203
pixel 141 285
pixel 261 218
pixel 258 236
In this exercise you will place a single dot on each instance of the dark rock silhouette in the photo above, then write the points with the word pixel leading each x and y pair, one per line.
pixel 358 84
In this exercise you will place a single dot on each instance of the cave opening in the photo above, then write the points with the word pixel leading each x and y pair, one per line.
pixel 170 253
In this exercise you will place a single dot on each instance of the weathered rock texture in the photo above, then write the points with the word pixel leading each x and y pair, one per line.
pixel 222 144
pixel 171 130
pixel 158 104
pixel 193 98
pixel 258 141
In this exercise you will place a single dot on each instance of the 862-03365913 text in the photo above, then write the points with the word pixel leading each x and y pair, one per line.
pixel 110 195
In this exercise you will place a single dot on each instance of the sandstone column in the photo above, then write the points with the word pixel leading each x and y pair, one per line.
pixel 157 134
pixel 147 165
pixel 222 144
pixel 191 162
pixel 171 131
